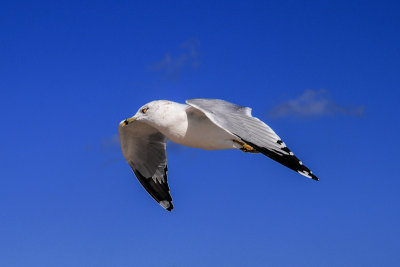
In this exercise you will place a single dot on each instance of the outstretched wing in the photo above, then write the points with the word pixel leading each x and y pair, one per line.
pixel 239 121
pixel 144 148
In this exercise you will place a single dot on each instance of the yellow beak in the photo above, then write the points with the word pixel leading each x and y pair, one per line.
pixel 127 121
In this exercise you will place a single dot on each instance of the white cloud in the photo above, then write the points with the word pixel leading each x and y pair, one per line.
pixel 107 143
pixel 314 103
pixel 171 66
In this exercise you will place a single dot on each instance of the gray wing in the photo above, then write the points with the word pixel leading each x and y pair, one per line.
pixel 239 121
pixel 144 148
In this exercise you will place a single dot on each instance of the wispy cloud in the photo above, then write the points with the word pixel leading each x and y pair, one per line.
pixel 109 148
pixel 172 65
pixel 109 143
pixel 314 103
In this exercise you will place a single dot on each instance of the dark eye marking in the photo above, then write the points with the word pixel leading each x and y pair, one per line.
pixel 144 110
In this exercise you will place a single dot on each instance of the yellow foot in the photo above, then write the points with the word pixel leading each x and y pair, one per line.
pixel 245 147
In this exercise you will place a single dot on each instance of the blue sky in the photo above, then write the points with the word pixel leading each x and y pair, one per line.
pixel 323 74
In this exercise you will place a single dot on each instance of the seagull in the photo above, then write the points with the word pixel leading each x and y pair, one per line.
pixel 209 124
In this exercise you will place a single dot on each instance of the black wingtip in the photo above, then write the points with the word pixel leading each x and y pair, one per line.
pixel 289 160
pixel 314 177
pixel 170 206
pixel 166 204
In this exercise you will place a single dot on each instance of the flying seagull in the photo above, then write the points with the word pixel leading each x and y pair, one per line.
pixel 202 123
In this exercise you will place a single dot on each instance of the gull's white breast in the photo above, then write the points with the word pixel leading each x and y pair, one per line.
pixel 195 129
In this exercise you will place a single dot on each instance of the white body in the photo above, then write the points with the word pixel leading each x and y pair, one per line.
pixel 188 127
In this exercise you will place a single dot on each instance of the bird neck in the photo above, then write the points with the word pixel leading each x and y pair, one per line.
pixel 173 121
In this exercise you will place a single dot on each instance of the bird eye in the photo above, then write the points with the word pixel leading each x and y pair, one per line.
pixel 144 110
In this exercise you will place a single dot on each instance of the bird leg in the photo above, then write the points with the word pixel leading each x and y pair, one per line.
pixel 245 147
